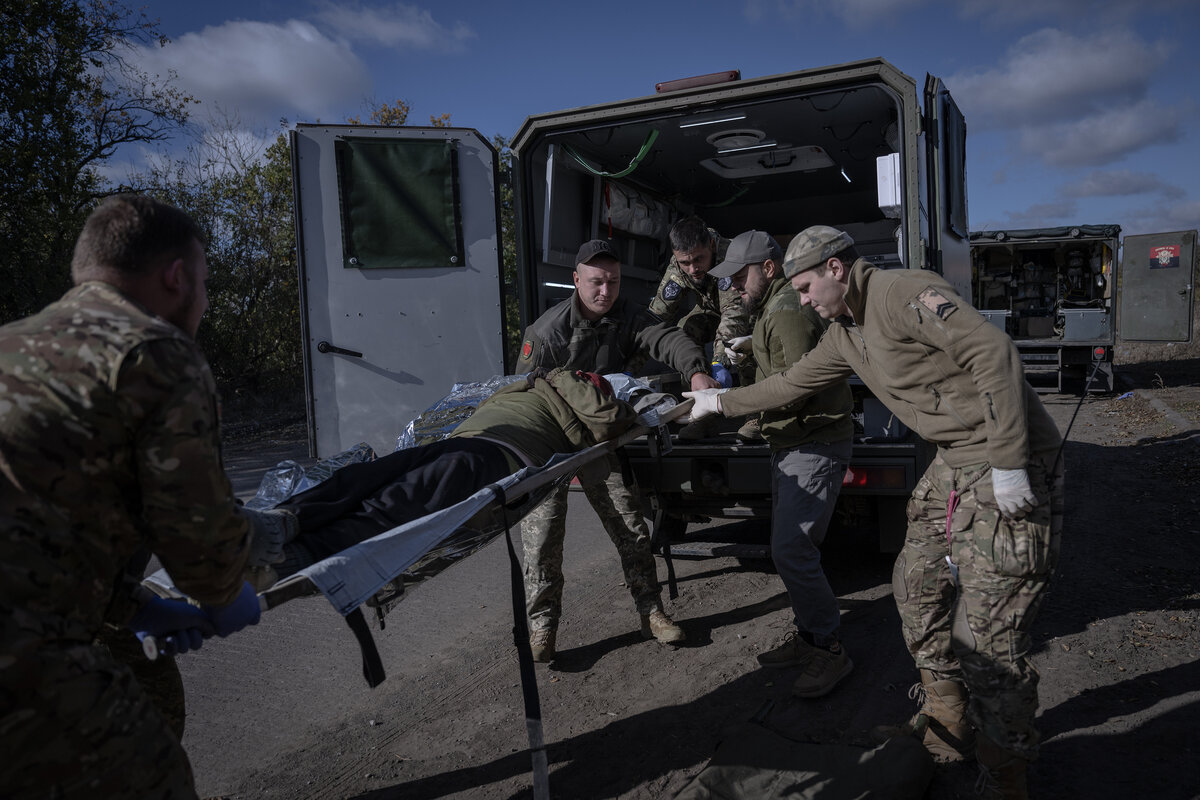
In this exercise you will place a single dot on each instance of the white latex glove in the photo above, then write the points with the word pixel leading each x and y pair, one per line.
pixel 1013 494
pixel 737 348
pixel 708 402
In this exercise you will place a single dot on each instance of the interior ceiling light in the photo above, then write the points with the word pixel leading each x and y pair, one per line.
pixel 712 119
pixel 735 138
pixel 760 146
pixel 752 164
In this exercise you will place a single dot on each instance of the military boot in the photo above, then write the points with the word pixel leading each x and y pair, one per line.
pixel 1001 772
pixel 940 723
pixel 657 625
pixel 541 642
pixel 750 431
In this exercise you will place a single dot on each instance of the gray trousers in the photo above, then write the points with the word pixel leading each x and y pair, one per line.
pixel 805 481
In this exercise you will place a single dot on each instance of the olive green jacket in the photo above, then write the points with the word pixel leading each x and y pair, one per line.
pixel 550 412
pixel 784 332
pixel 932 359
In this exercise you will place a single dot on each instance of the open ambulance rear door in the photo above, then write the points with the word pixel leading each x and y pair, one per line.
pixel 400 274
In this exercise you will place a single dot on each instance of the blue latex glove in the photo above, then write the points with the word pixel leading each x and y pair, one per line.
pixel 176 625
pixel 722 374
pixel 243 611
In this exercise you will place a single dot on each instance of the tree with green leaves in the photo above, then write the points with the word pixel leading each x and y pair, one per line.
pixel 69 97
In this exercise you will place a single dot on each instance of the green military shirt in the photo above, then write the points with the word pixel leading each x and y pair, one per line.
pixel 932 359
pixel 552 413
pixel 784 332
pixel 108 444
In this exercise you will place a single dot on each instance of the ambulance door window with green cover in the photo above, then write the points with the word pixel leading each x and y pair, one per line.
pixel 399 203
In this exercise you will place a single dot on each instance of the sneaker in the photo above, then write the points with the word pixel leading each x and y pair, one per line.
pixel 822 670
pixel 793 652
pixel 541 642
pixel 657 625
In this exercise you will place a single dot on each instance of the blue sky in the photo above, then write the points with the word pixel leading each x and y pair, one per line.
pixel 1077 112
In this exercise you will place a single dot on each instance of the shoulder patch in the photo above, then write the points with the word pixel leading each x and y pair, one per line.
pixel 527 350
pixel 724 284
pixel 937 302
pixel 671 290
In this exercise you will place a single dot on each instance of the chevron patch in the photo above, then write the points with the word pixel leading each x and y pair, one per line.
pixel 936 302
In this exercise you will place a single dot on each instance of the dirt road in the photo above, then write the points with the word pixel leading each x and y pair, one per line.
pixel 281 711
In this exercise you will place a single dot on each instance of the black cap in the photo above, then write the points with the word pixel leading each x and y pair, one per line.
pixel 590 249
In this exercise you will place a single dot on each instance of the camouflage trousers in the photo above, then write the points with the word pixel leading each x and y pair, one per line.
pixel 76 724
pixel 544 529
pixel 976 629
pixel 159 679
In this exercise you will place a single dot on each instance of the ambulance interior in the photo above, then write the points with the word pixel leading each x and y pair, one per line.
pixel 778 164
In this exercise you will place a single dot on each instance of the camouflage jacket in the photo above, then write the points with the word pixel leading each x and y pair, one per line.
pixel 709 310
pixel 562 337
pixel 783 333
pixel 932 359
pixel 550 413
pixel 108 444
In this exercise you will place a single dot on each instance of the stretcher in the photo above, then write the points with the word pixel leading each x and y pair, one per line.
pixel 376 571
pixel 422 548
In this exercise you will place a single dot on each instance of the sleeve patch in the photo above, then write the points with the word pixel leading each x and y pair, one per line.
pixel 671 290
pixel 937 302
pixel 724 284
pixel 527 350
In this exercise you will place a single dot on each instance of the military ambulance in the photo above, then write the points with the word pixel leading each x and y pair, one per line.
pixel 1058 291
pixel 400 248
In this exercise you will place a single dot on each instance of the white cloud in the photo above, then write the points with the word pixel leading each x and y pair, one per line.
pixel 1161 218
pixel 1051 75
pixel 1072 12
pixel 395 25
pixel 1103 137
pixel 263 70
pixel 1120 183
pixel 1040 215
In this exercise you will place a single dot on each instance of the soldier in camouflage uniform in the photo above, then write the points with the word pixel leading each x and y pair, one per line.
pixel 707 309
pixel 986 518
pixel 108 445
pixel 594 330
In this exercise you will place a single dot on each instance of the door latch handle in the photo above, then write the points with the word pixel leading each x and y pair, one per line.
pixel 326 347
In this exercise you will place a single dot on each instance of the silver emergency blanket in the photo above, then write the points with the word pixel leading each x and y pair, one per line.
pixel 416 550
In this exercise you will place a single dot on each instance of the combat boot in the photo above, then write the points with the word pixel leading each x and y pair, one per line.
pixel 541 642
pixel 1002 773
pixel 940 723
pixel 657 625
pixel 750 431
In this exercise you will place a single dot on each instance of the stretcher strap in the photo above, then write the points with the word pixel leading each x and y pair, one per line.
pixel 529 689
pixel 371 662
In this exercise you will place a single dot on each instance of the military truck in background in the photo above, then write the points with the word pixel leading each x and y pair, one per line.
pixel 400 247
pixel 1065 294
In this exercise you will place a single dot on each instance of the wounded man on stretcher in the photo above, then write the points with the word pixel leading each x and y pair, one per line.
pixel 522 424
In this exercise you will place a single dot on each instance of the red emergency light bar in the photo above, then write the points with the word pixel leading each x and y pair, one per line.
pixel 698 80
pixel 875 477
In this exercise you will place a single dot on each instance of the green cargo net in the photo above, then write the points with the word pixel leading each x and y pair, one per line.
pixel 399 203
